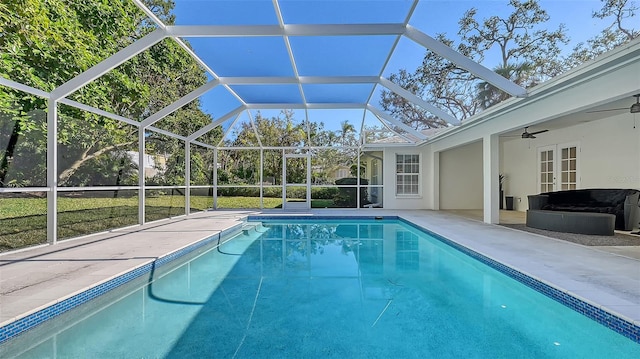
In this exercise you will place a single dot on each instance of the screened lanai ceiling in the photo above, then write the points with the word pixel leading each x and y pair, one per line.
pixel 305 56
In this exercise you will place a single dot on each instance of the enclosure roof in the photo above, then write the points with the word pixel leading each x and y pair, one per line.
pixel 292 54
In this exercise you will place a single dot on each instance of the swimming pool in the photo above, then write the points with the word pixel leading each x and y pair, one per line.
pixel 324 288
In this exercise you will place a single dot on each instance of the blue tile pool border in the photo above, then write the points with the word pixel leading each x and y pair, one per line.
pixel 609 320
pixel 315 217
pixel 30 321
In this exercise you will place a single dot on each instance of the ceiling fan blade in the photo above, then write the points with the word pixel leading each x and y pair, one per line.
pixel 537 132
pixel 607 110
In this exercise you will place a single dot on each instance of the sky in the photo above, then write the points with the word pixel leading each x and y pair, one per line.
pixel 434 17
pixel 267 56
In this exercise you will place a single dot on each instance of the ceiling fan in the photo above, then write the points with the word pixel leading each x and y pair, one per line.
pixel 635 108
pixel 527 134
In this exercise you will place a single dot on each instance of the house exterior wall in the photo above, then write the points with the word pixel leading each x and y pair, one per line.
pixel 461 177
pixel 518 163
pixel 391 201
pixel 609 156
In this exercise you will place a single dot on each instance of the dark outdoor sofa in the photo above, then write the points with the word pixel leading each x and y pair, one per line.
pixel 588 211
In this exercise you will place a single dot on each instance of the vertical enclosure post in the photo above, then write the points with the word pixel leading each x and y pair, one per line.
pixel 358 181
pixel 187 177
pixel 261 178
pixel 308 178
pixel 141 176
pixel 215 178
pixel 52 172
pixel 284 181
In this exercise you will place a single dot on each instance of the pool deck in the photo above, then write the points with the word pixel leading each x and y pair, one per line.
pixel 33 279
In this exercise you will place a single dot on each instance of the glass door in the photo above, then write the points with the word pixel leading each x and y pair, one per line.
pixel 558 167
pixel 568 167
pixel 296 173
pixel 547 169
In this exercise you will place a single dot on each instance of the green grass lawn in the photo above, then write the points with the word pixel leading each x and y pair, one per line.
pixel 23 221
pixel 322 203
pixel 22 207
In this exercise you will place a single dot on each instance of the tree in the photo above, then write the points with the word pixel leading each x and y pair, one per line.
pixel 44 44
pixel 518 38
pixel 488 95
pixel 284 131
pixel 277 131
pixel 347 133
pixel 523 49
pixel 620 31
pixel 439 82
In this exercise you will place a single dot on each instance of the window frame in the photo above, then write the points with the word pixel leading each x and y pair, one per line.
pixel 398 174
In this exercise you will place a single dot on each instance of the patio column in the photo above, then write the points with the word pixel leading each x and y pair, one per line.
pixel 435 173
pixel 490 185
pixel 52 172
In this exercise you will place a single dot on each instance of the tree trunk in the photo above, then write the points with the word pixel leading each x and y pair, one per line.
pixel 8 153
pixel 65 175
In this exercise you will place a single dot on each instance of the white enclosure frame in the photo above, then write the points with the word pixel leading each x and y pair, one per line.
pixel 283 30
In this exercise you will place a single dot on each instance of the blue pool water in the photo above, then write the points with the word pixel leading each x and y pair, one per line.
pixel 318 289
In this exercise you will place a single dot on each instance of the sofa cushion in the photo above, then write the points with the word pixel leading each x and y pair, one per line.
pixel 609 197
pixel 565 197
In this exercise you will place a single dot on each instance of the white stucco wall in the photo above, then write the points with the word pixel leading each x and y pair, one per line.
pixel 609 157
pixel 391 201
pixel 518 163
pixel 461 177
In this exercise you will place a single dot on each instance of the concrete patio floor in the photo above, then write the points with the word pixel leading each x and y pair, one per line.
pixel 36 278
pixel 518 217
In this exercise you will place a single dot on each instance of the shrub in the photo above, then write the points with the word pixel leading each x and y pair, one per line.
pixel 324 192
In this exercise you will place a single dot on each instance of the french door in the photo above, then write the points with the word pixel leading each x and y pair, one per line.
pixel 559 167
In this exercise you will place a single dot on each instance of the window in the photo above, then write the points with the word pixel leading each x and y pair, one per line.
pixel 407 175
pixel 342 173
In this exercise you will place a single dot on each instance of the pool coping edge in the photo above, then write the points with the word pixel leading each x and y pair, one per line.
pixel 28 320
